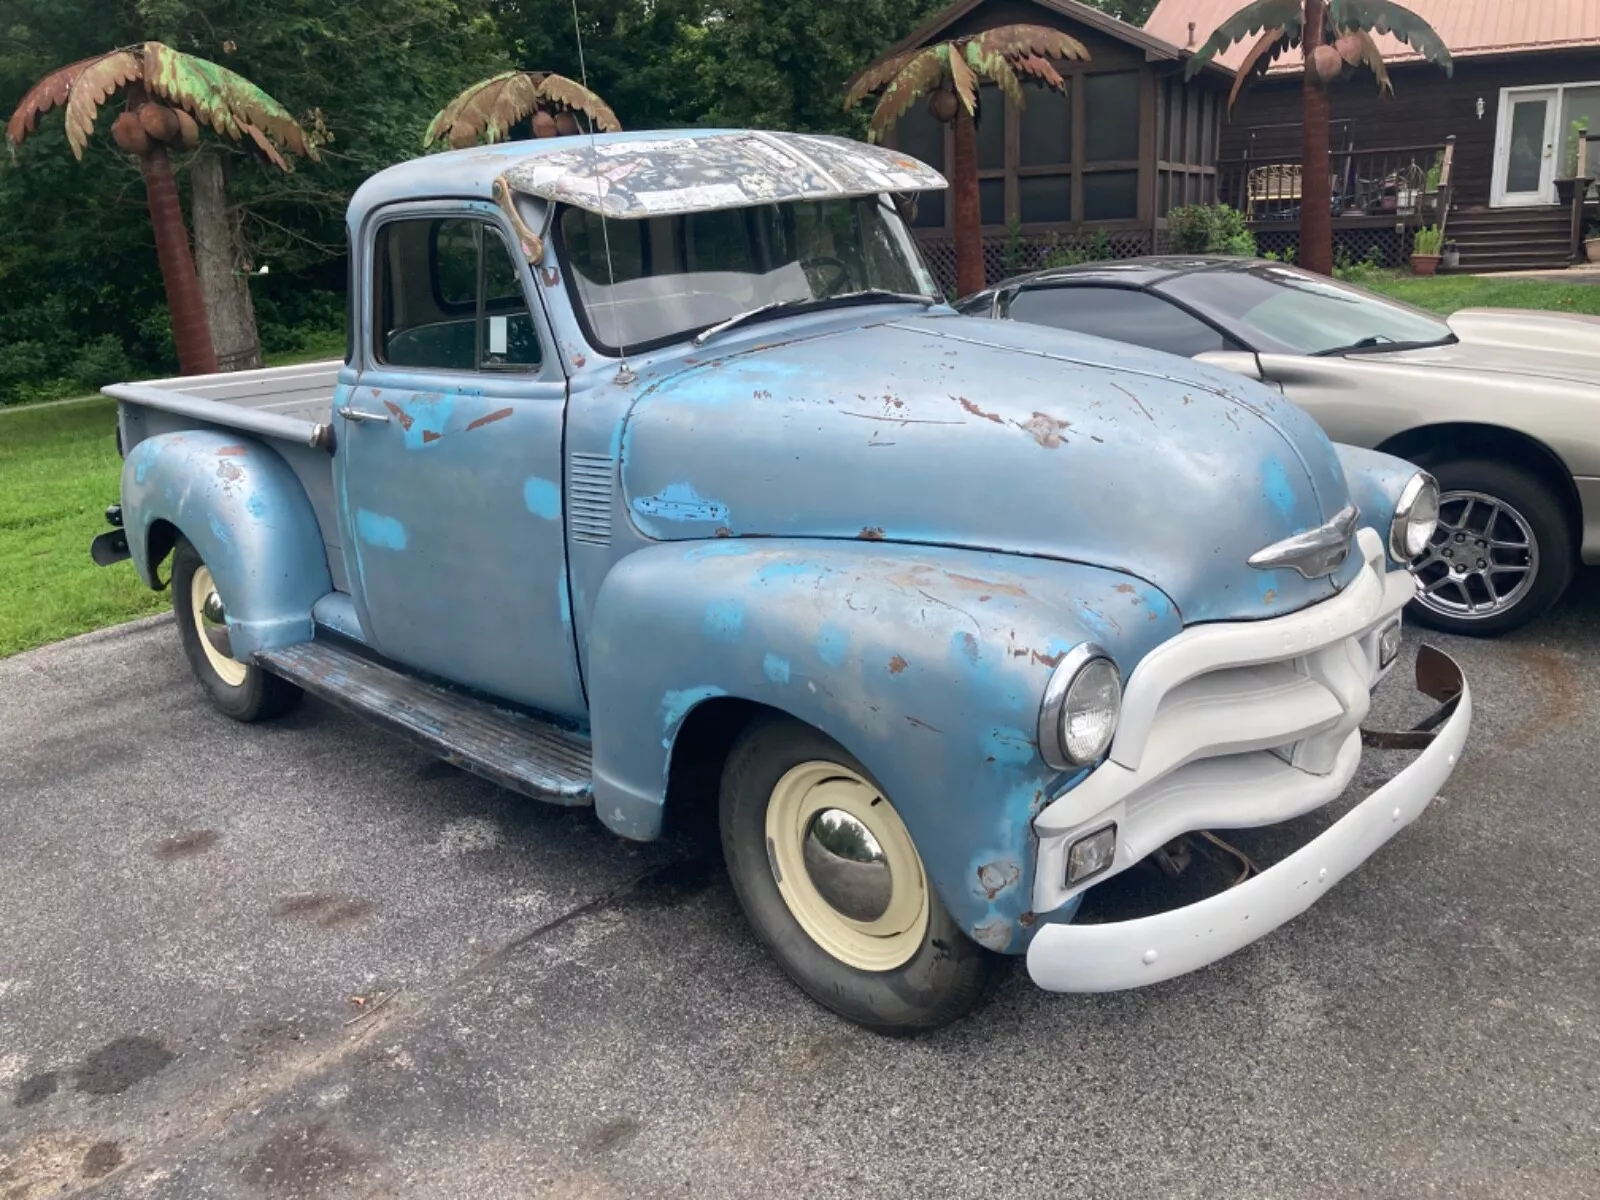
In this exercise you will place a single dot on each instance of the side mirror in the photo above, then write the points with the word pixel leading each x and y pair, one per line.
pixel 1240 362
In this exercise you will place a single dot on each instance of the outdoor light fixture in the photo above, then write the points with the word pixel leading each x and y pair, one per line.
pixel 1091 854
pixel 1480 108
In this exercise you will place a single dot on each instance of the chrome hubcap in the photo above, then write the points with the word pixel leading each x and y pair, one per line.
pixel 847 866
pixel 214 624
pixel 1482 560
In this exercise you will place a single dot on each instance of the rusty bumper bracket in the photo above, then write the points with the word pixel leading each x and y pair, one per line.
pixel 1439 678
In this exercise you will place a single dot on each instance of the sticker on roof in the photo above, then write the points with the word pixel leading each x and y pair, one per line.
pixel 660 177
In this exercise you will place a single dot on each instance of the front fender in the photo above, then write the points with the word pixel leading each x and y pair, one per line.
pixel 927 664
pixel 1376 481
pixel 249 518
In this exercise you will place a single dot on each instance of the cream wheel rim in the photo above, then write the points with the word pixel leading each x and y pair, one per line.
pixel 203 593
pixel 895 887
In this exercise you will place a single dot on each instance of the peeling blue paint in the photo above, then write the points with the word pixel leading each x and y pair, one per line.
pixel 1006 745
pixel 564 598
pixel 680 502
pixel 833 644
pixel 675 705
pixel 219 530
pixel 542 497
pixel 256 506
pixel 724 620
pixel 378 530
pixel 776 669
pixel 1275 483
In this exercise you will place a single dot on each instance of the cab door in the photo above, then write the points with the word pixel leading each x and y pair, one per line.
pixel 449 463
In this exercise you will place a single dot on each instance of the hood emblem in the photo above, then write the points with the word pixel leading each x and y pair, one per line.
pixel 1314 553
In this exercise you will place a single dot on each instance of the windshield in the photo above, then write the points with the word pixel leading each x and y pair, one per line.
pixel 681 274
pixel 1289 311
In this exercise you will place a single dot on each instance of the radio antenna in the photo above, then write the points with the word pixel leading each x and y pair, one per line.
pixel 625 373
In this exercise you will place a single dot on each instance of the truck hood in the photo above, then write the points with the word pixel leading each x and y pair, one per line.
pixel 1560 346
pixel 986 435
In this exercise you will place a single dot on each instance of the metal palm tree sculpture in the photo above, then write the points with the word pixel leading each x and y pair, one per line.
pixel 1335 38
pixel 490 108
pixel 947 73
pixel 167 95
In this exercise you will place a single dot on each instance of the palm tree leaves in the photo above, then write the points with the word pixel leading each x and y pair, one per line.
pixel 489 108
pixel 229 103
pixel 1272 42
pixel 1384 16
pixel 1002 54
pixel 918 73
pixel 1370 54
pixel 89 90
pixel 1285 15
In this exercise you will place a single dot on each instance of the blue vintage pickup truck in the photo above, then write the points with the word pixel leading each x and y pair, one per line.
pixel 660 478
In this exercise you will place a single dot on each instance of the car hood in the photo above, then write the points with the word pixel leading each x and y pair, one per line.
pixel 1562 346
pixel 952 431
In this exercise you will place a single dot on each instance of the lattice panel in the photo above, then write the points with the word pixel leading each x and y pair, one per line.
pixel 1031 254
pixel 1394 249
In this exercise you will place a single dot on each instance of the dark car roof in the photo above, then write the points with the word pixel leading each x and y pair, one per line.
pixel 1130 272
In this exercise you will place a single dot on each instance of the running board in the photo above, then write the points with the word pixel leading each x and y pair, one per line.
pixel 511 749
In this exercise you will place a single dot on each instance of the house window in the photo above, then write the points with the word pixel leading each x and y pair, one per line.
pixel 1044 198
pixel 1110 195
pixel 1111 115
pixel 992 201
pixel 1045 127
pixel 991 128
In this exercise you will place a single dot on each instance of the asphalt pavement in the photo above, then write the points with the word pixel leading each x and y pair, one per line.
pixel 302 959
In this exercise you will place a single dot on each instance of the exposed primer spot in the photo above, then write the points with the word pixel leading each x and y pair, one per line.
pixel 500 414
pixel 872 533
pixel 775 669
pixel 680 502
pixel 969 645
pixel 429 435
pixel 1127 589
pixel 579 360
pixel 978 412
pixel 229 473
pixel 988 585
pixel 1044 429
pixel 375 529
pixel 1008 745
pixel 550 275
pixel 996 877
pixel 231 451
pixel 1049 660
pixel 542 497
pixel 724 620
pixel 897 664
pixel 1268 596
pixel 723 532
pixel 992 935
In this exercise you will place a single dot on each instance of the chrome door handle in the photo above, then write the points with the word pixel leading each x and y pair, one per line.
pixel 356 414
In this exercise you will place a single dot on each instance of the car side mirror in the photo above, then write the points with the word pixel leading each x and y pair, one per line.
pixel 1240 362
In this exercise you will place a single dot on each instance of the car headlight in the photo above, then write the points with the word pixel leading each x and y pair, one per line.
pixel 1081 705
pixel 1415 518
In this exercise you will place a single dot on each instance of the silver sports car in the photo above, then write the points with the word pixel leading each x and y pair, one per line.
pixel 1503 407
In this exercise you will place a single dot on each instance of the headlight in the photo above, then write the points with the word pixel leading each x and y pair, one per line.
pixel 1081 705
pixel 1415 518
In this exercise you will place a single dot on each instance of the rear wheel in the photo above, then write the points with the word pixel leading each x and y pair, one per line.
pixel 832 883
pixel 1502 555
pixel 242 691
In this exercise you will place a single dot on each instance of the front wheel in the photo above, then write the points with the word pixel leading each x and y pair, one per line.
pixel 242 691
pixel 832 883
pixel 1502 555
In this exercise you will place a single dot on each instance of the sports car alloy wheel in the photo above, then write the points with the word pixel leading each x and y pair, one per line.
pixel 1483 559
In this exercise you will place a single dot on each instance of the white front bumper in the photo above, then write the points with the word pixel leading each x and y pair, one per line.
pixel 1235 725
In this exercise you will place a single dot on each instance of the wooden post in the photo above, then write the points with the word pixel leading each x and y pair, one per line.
pixel 1580 191
pixel 1445 186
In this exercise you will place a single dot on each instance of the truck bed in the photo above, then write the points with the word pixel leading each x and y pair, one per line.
pixel 290 408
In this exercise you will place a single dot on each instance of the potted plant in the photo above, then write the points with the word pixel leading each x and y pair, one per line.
pixel 1591 242
pixel 1425 250
pixel 1450 256
pixel 1567 184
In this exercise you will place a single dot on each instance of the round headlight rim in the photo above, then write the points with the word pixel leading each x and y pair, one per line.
pixel 1052 747
pixel 1415 487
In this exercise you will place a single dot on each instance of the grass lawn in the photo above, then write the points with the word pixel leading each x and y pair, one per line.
pixel 1446 293
pixel 58 471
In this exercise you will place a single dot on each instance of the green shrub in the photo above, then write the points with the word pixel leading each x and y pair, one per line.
pixel 1210 229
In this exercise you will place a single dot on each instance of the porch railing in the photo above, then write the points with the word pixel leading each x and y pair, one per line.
pixel 1410 183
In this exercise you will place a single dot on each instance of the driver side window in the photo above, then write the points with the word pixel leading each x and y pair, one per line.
pixel 449 298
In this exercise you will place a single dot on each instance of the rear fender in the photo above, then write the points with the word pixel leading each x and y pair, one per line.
pixel 249 518
pixel 927 664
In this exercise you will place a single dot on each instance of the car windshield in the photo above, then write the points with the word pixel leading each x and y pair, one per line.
pixel 1285 310
pixel 677 275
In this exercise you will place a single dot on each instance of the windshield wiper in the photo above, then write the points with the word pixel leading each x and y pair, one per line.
pixel 815 302
pixel 1378 344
